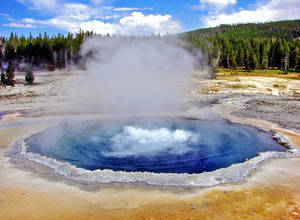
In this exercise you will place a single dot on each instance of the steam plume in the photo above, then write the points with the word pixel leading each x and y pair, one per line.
pixel 135 75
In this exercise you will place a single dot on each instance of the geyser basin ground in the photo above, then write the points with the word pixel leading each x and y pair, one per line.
pixel 160 151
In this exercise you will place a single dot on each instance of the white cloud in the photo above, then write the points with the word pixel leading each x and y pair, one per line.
pixel 107 8
pixel 76 11
pixel 98 27
pixel 126 9
pixel 56 22
pixel 48 5
pixel 70 17
pixel 131 9
pixel 96 2
pixel 135 24
pixel 4 15
pixel 273 10
pixel 17 25
pixel 138 24
pixel 29 20
pixel 73 17
pixel 7 17
pixel 108 17
pixel 214 5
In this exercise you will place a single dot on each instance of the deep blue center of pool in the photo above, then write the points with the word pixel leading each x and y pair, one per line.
pixel 161 145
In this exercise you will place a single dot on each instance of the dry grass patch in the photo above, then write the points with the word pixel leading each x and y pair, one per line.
pixel 280 86
pixel 240 86
pixel 209 89
pixel 230 73
pixel 30 94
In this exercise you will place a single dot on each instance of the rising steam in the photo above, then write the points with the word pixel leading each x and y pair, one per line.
pixel 135 75
pixel 136 141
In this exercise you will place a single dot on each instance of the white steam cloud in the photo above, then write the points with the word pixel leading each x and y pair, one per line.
pixel 135 141
pixel 135 75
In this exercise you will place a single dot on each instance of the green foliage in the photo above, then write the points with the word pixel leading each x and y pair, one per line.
pixel 273 45
pixel 58 51
pixel 279 29
pixel 252 59
pixel 10 75
pixel 3 78
pixel 29 77
pixel 10 53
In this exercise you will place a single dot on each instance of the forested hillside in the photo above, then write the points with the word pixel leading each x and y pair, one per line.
pixel 274 45
pixel 41 52
pixel 283 29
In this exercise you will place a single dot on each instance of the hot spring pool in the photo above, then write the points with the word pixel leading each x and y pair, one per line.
pixel 156 145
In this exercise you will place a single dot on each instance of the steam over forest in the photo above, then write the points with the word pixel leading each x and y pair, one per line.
pixel 274 45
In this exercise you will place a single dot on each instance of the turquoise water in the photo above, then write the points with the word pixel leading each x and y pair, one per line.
pixel 160 145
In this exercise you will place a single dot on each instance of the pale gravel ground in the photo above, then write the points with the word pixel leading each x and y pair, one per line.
pixel 284 110
pixel 273 99
pixel 261 100
pixel 28 191
pixel 47 96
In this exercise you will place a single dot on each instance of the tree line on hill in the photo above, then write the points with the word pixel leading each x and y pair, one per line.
pixel 249 53
pixel 45 52
pixel 273 45
pixel 41 52
pixel 289 29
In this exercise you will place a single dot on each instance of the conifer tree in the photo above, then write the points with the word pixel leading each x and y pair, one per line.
pixel 240 58
pixel 3 79
pixel 10 53
pixel 252 60
pixel 10 75
pixel 29 77
pixel 247 59
pixel 232 59
pixel 297 59
pixel 285 57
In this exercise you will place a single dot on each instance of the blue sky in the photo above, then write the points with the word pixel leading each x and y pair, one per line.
pixel 136 17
